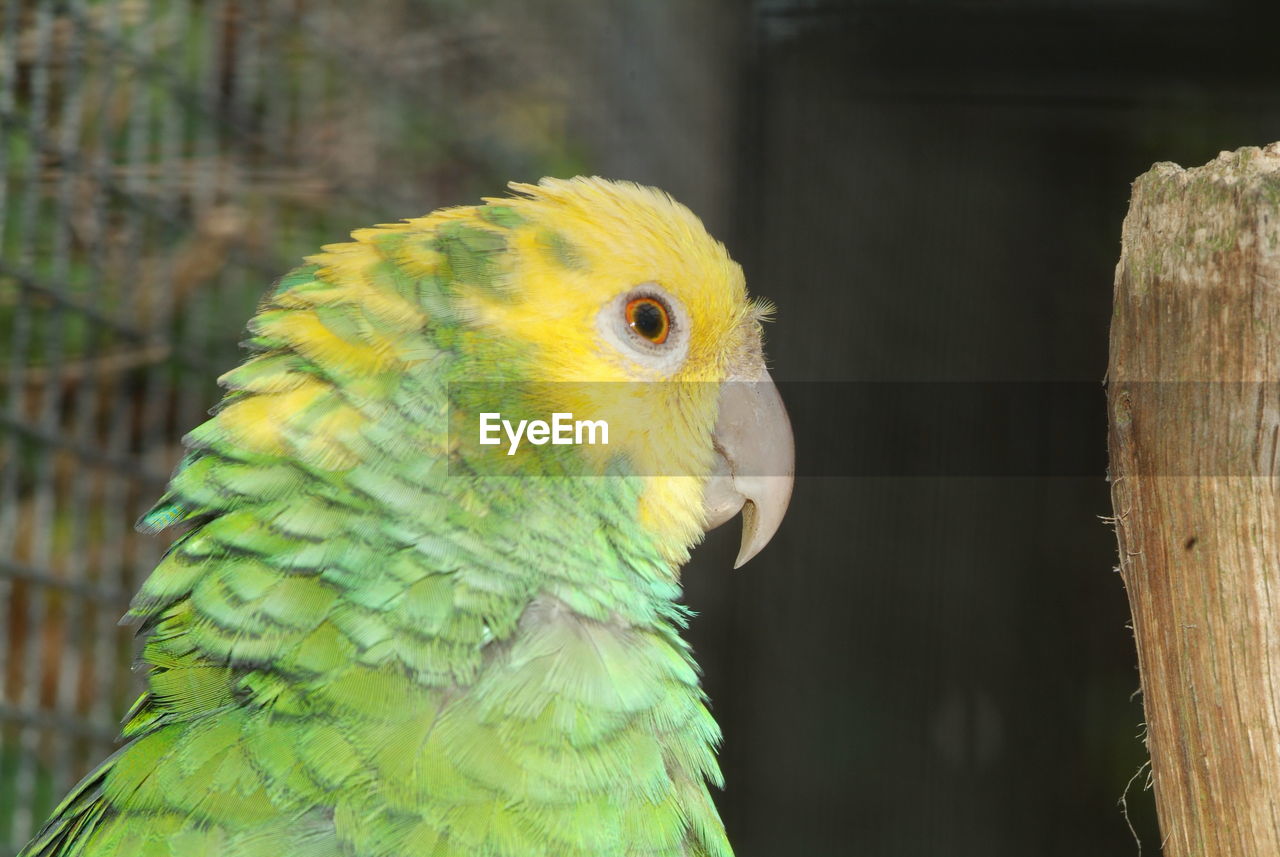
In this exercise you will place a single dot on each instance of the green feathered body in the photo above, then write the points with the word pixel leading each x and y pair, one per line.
pixel 358 646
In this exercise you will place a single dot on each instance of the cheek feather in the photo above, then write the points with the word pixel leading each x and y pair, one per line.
pixel 671 508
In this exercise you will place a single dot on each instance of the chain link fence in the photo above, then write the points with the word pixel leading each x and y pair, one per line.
pixel 161 162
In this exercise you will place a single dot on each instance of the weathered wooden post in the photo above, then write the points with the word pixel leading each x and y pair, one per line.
pixel 1195 469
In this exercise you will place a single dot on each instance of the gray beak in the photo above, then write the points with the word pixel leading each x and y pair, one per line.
pixel 755 464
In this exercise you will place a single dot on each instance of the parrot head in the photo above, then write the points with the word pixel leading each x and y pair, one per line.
pixel 628 311
pixel 605 300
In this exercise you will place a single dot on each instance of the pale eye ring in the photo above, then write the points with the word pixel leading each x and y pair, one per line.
pixel 646 324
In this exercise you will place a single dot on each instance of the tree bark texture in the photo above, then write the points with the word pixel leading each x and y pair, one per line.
pixel 1194 425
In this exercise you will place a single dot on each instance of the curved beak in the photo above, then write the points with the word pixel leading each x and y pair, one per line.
pixel 755 464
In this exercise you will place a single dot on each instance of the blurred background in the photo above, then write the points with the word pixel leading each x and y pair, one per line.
pixel 920 664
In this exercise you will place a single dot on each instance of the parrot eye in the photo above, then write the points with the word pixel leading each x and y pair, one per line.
pixel 649 318
pixel 647 324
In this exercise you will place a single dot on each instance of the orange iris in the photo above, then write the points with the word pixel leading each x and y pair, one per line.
pixel 648 317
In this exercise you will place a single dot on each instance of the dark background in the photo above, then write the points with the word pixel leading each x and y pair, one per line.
pixel 934 192
pixel 921 663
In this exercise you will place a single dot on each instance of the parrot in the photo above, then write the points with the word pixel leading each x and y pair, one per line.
pixel 371 635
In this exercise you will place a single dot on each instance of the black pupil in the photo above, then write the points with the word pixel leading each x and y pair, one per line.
pixel 647 319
